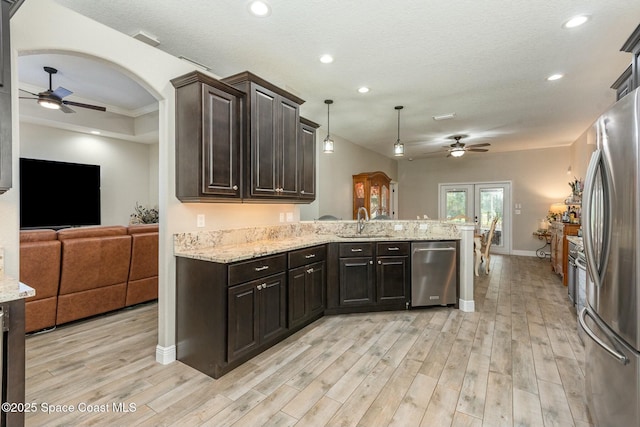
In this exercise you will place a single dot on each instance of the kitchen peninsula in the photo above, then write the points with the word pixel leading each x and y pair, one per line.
pixel 12 347
pixel 241 291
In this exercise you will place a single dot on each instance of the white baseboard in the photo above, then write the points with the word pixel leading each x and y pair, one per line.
pixel 165 355
pixel 467 306
pixel 523 253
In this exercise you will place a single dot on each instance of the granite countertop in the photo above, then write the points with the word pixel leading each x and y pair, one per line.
pixel 12 289
pixel 227 246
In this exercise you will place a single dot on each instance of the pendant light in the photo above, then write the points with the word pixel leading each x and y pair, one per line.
pixel 398 147
pixel 328 142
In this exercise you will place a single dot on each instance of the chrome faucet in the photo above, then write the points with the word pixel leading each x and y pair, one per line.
pixel 361 221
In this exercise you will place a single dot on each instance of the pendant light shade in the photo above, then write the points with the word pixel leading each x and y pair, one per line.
pixel 398 147
pixel 328 142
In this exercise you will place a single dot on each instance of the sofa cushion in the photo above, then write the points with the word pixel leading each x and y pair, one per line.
pixel 142 228
pixel 84 232
pixel 40 267
pixel 90 263
pixel 39 235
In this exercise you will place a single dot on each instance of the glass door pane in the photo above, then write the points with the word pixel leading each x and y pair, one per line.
pixel 493 200
pixel 457 203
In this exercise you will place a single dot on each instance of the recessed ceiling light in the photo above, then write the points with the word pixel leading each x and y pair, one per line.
pixel 259 8
pixel 576 21
pixel 326 59
pixel 555 77
pixel 363 89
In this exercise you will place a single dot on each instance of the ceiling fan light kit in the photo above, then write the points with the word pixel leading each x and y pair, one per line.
pixel 398 147
pixel 52 99
pixel 457 149
pixel 327 146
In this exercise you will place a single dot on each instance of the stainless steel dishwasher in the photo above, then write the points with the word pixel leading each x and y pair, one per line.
pixel 434 273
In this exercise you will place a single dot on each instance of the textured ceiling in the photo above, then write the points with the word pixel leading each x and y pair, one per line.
pixel 486 61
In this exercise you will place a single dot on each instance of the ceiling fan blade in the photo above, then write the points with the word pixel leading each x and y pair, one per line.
pixel 478 150
pixel 484 144
pixel 66 109
pixel 79 104
pixel 61 92
pixel 30 93
pixel 25 97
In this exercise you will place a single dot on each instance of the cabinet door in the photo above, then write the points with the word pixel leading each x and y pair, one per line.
pixel 297 296
pixel 307 163
pixel 264 119
pixel 220 143
pixel 356 281
pixel 392 278
pixel 243 332
pixel 287 153
pixel 316 280
pixel 272 299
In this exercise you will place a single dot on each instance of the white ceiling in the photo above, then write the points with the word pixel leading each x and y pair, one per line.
pixel 486 61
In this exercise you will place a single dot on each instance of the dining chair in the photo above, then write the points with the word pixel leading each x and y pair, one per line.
pixel 485 250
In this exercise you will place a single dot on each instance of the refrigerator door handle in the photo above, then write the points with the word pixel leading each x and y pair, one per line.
pixel 613 352
pixel 596 213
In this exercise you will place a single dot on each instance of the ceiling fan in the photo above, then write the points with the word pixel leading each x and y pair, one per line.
pixel 457 149
pixel 53 98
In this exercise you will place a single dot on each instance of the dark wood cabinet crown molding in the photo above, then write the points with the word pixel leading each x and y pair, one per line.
pixel 624 77
pixel 198 77
pixel 308 122
pixel 250 77
pixel 632 44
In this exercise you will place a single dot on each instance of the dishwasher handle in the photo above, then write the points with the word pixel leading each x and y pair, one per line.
pixel 434 249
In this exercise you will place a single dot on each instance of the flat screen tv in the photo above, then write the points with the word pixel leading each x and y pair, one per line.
pixel 58 194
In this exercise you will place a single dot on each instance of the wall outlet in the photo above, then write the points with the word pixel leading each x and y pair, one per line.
pixel 423 226
pixel 517 211
pixel 200 220
pixel 397 227
pixel 281 216
pixel 289 216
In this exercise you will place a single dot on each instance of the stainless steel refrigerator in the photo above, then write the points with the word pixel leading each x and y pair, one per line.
pixel 611 232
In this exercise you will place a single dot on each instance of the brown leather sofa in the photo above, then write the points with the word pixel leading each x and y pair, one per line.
pixel 82 272
pixel 40 268
pixel 143 270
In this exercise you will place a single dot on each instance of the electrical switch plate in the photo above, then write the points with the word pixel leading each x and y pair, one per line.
pixel 289 216
pixel 517 211
pixel 281 216
pixel 397 227
pixel 200 220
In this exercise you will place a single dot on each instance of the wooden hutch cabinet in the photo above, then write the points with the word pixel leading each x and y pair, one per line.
pixel 372 191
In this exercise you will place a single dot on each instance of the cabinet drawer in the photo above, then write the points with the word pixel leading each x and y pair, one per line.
pixel 307 256
pixel 393 248
pixel 256 268
pixel 356 249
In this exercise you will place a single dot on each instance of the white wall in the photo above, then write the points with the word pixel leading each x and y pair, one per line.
pixel 129 170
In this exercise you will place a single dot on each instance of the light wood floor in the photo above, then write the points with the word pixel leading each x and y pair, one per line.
pixel 516 361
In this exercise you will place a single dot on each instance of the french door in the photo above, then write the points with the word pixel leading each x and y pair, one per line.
pixel 480 203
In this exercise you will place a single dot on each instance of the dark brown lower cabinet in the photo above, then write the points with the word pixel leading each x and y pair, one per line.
pixel 356 281
pixel 367 276
pixel 257 314
pixel 306 293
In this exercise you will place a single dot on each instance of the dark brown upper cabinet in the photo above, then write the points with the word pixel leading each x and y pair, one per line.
pixel 630 79
pixel 272 120
pixel 307 161
pixel 208 139
pixel 5 99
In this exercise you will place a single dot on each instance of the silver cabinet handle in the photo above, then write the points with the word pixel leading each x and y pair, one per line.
pixel 264 267
pixel 614 353
pixel 379 262
pixel 302 192
pixel 371 262
pixel 310 256
pixel 356 250
pixel 310 270
pixel 235 187
pixel 434 249
pixel 393 249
